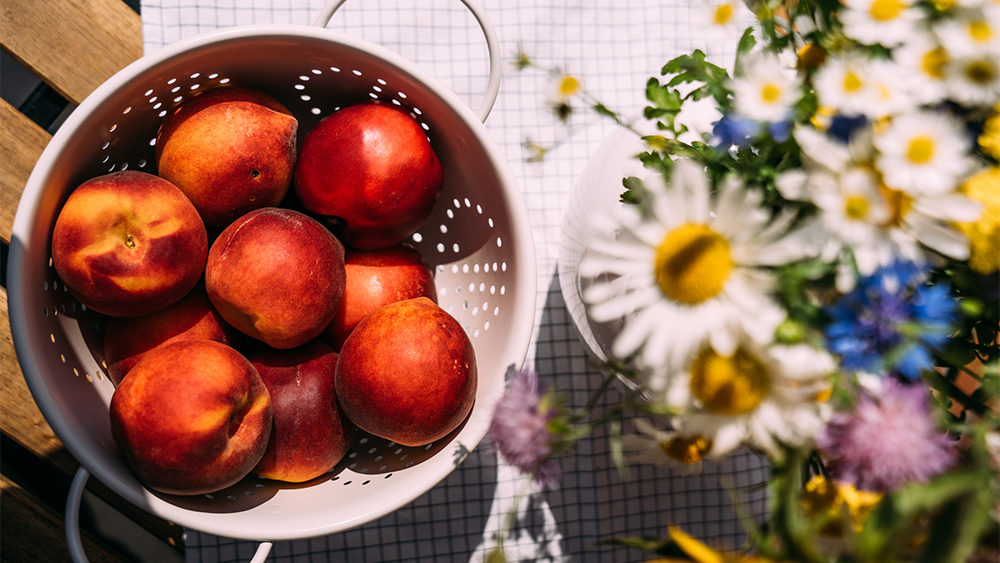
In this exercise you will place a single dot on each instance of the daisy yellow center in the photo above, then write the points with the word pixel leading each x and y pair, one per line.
pixel 686 450
pixel 980 72
pixel 729 385
pixel 856 207
pixel 886 10
pixel 770 93
pixel 899 205
pixel 692 263
pixel 852 82
pixel 723 14
pixel 810 56
pixel 569 86
pixel 980 31
pixel 920 149
pixel 934 61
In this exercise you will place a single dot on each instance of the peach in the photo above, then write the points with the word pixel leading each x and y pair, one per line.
pixel 371 167
pixel 407 373
pixel 192 417
pixel 276 275
pixel 375 278
pixel 310 434
pixel 128 244
pixel 230 149
pixel 128 339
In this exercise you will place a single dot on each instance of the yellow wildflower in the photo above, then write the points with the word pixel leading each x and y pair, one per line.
pixel 701 553
pixel 984 234
pixel 989 141
pixel 822 496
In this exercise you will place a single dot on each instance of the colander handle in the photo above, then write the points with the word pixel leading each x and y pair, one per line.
pixel 75 541
pixel 492 45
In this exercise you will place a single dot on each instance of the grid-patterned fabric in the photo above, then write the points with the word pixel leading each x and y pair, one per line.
pixel 614 46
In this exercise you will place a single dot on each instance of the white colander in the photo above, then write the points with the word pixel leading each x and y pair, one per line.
pixel 478 241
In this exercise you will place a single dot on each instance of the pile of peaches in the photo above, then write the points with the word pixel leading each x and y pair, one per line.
pixel 262 302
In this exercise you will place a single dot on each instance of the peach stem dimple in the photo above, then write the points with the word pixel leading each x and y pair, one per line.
pixel 129 241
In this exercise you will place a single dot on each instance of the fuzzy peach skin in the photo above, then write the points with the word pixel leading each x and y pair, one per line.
pixel 276 275
pixel 230 149
pixel 310 434
pixel 192 417
pixel 128 244
pixel 372 166
pixel 376 278
pixel 407 373
pixel 128 339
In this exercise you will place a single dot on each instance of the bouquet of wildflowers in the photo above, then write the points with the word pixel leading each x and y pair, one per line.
pixel 815 279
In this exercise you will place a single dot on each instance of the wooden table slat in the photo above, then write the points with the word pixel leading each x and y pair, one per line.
pixel 72 45
pixel 21 143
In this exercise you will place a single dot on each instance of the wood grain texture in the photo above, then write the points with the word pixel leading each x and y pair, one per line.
pixel 19 415
pixel 33 532
pixel 21 143
pixel 72 45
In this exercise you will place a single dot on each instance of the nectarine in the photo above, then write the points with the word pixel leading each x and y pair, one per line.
pixel 407 373
pixel 276 275
pixel 371 166
pixel 128 244
pixel 191 418
pixel 128 339
pixel 375 278
pixel 230 149
pixel 310 434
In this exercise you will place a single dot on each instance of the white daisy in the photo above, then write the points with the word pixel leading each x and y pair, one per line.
pixel 923 65
pixel 971 32
pixel 843 84
pixel 563 87
pixel 923 153
pixel 758 396
pixel 886 22
pixel 862 223
pixel 694 271
pixel 665 447
pixel 975 80
pixel 722 18
pixel 887 94
pixel 767 90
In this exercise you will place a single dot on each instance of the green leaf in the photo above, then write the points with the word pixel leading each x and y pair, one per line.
pixel 743 48
pixel 892 519
pixel 635 191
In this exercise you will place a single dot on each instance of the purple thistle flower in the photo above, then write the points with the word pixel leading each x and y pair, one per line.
pixel 887 441
pixel 520 428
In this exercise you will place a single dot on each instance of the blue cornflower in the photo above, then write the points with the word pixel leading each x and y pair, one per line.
pixel 735 130
pixel 843 127
pixel 892 320
pixel 780 131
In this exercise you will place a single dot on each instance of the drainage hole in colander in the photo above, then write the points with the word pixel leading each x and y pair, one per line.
pixel 465 305
pixel 451 214
pixel 209 496
pixel 334 69
pixel 499 242
pixel 196 75
pixel 142 163
pixel 300 86
pixel 316 71
pixel 175 89
pixel 475 268
pixel 440 247
pixel 387 476
pixel 316 111
pixel 376 88
pixel 503 289
pixel 356 72
pixel 305 97
pixel 45 311
pixel 195 86
pixel 454 247
pixel 472 287
pixel 417 237
pixel 486 325
pixel 249 493
pixel 347 483
pixel 231 497
pixel 493 289
pixel 366 482
pixel 363 441
pixel 353 455
pixel 490 221
pixel 373 95
pixel 373 450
